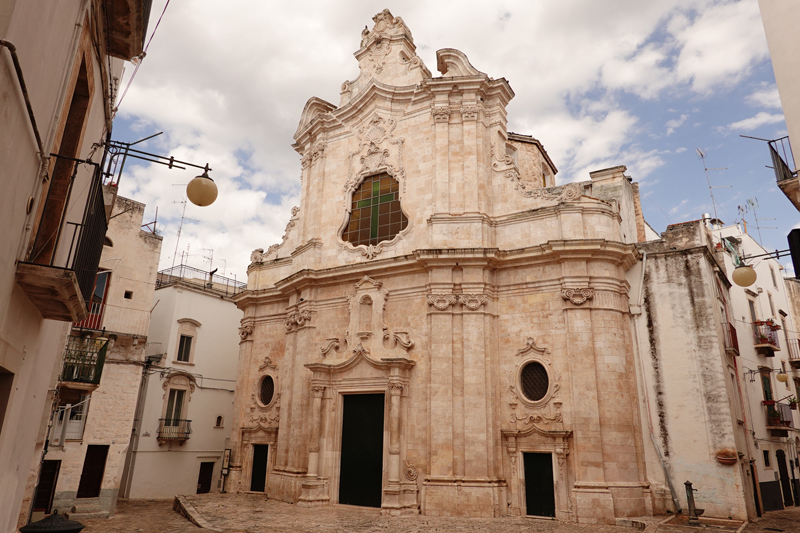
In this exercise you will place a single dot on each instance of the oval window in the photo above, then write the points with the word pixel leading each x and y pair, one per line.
pixel 534 381
pixel 267 390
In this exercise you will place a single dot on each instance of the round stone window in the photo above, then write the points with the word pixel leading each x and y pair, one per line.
pixel 534 381
pixel 267 390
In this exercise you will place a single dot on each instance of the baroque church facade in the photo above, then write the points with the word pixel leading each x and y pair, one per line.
pixel 442 330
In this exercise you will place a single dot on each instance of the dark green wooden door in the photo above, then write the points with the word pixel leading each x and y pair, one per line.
pixel 539 489
pixel 361 474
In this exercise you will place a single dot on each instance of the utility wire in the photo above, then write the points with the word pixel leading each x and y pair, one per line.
pixel 142 56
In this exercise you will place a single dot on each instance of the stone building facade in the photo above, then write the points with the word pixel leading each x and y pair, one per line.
pixel 466 351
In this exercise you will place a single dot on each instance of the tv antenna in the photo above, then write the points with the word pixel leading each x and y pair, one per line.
pixel 708 179
pixel 180 227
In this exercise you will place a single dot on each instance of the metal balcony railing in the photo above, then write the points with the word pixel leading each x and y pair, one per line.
pixel 115 318
pixel 765 335
pixel 84 358
pixel 793 347
pixel 782 159
pixel 731 340
pixel 779 415
pixel 69 422
pixel 199 278
pixel 174 429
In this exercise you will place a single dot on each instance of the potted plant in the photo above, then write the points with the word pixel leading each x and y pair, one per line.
pixel 773 417
pixel 727 456
pixel 793 403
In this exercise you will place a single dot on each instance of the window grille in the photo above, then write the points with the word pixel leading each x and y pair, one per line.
pixel 534 381
pixel 267 390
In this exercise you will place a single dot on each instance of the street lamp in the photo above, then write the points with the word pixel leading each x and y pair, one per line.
pixel 744 275
pixel 201 191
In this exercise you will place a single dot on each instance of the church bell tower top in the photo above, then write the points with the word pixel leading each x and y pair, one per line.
pixel 387 55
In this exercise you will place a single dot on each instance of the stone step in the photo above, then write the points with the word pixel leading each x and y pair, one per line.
pixel 80 517
pixel 89 507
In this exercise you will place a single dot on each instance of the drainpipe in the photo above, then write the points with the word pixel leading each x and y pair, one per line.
pixel 21 79
pixel 667 477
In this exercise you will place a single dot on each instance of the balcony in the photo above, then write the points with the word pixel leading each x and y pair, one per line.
pixel 794 353
pixel 785 168
pixel 765 338
pixel 731 340
pixel 68 423
pixel 84 358
pixel 116 319
pixel 174 430
pixel 58 277
pixel 779 419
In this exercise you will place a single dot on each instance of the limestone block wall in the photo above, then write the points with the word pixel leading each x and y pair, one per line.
pixel 109 422
pixel 493 272
pixel 690 401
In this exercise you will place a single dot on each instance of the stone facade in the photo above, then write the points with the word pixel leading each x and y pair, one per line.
pixel 493 274
pixel 120 320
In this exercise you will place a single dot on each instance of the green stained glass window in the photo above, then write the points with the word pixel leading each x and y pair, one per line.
pixel 375 213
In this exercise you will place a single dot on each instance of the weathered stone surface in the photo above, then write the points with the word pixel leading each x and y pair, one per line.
pixel 497 268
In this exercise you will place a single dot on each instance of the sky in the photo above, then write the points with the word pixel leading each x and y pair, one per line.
pixel 618 82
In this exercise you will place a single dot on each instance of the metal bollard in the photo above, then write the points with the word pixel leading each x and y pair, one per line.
pixel 694 512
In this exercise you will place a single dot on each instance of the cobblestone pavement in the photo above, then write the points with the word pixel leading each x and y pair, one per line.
pixel 250 513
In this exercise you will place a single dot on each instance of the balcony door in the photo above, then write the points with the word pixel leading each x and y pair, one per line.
pixel 97 303
pixel 175 408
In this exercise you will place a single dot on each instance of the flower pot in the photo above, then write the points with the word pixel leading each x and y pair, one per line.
pixel 774 421
pixel 793 406
pixel 727 460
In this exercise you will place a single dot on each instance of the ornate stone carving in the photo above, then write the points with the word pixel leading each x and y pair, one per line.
pixel 472 301
pixel 267 363
pixel 442 301
pixel 257 255
pixel 440 114
pixel 469 113
pixel 317 390
pixel 577 296
pixel 331 344
pixel 399 338
pixel 411 472
pixel 530 347
pixel 297 320
pixel 245 331
pixel 361 350
pixel 395 388
pixel 373 159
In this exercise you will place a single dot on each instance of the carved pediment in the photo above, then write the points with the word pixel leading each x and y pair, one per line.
pixel 452 62
pixel 314 107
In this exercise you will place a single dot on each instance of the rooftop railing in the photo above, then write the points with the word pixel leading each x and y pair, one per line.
pixel 199 278
pixel 783 159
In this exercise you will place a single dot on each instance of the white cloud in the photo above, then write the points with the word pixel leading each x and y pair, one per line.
pixel 680 150
pixel 228 85
pixel 767 96
pixel 675 123
pixel 756 121
pixel 678 207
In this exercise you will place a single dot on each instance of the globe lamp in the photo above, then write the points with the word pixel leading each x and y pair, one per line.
pixel 744 276
pixel 202 190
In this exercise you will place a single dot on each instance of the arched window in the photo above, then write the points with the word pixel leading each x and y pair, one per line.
pixel 219 421
pixel 375 214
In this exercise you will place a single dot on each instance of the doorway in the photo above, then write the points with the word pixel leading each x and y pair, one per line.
pixel 258 478
pixel 43 501
pixel 788 498
pixel 540 499
pixel 204 479
pixel 361 470
pixel 94 465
